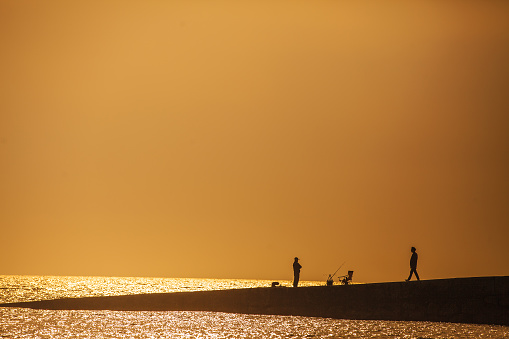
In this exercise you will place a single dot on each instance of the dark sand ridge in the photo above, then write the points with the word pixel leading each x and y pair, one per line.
pixel 482 300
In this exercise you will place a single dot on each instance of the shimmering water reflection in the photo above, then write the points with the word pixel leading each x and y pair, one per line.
pixel 27 323
pixel 15 288
pixel 24 323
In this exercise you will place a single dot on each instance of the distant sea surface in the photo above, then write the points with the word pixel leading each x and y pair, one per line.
pixel 27 323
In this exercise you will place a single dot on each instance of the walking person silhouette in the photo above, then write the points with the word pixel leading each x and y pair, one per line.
pixel 296 272
pixel 413 264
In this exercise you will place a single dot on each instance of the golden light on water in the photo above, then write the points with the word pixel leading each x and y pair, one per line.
pixel 106 324
pixel 33 323
pixel 31 288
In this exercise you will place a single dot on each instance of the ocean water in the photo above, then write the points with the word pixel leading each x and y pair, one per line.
pixel 27 323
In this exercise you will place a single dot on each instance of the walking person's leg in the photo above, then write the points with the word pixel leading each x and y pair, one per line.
pixel 411 273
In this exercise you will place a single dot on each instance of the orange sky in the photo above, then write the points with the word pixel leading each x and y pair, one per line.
pixel 219 139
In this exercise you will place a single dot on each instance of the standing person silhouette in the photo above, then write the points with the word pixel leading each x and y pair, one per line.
pixel 413 264
pixel 296 272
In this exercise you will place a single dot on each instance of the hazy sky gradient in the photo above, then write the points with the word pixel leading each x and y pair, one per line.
pixel 219 139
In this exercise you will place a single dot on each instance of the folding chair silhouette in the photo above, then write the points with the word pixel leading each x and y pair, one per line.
pixel 346 279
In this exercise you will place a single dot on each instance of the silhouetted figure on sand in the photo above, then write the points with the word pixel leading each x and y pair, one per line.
pixel 296 272
pixel 413 265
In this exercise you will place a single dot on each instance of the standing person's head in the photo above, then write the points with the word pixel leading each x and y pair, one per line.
pixel 413 249
pixel 296 259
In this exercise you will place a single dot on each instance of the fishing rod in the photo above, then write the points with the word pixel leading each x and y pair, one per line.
pixel 332 276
